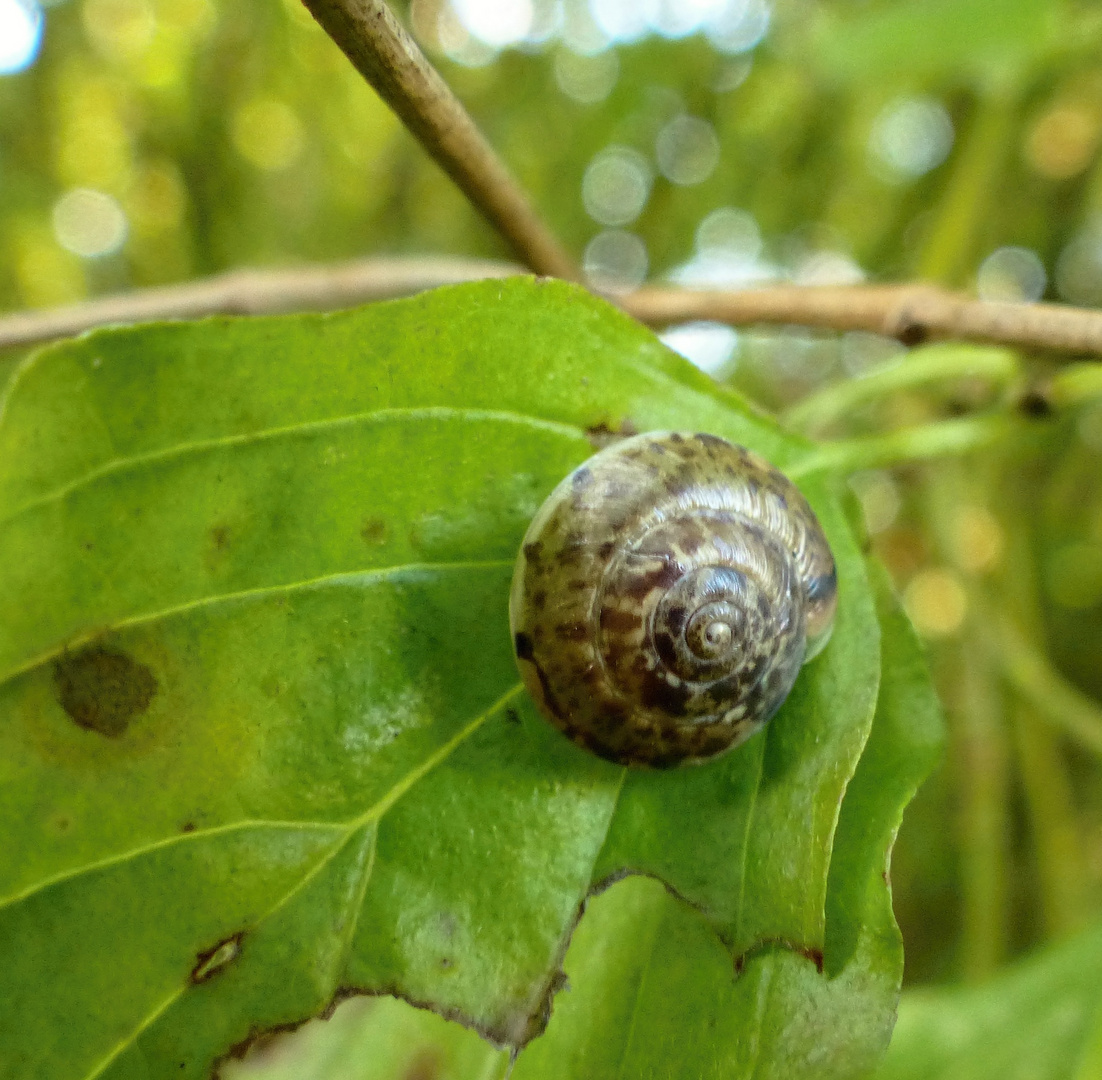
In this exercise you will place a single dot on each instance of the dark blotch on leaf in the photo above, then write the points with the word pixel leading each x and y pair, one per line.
pixel 373 531
pixel 103 690
pixel 425 1066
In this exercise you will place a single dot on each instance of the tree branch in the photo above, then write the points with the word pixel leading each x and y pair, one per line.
pixel 253 292
pixel 909 312
pixel 384 54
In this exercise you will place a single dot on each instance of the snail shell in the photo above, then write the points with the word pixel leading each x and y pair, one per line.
pixel 666 595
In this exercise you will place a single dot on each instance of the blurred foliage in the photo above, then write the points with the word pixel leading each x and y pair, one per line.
pixel 890 139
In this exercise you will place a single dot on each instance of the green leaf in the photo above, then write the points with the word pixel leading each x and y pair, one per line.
pixel 262 740
pixel 1040 1019
pixel 653 991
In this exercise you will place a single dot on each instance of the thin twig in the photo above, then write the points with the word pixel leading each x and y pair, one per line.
pixel 932 364
pixel 911 313
pixel 253 292
pixel 943 438
pixel 384 54
pixel 880 309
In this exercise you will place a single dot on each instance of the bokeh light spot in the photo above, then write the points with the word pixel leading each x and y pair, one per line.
pixel 156 199
pixel 1079 268
pixel 709 345
pixel 615 261
pixel 20 34
pixel 910 137
pixel 977 538
pixel 728 250
pixel 458 43
pixel 1061 142
pixel 119 28
pixel 621 21
pixel 586 79
pixel 827 268
pixel 878 494
pixel 268 133
pixel 739 26
pixel 497 23
pixel 687 150
pixel 89 223
pixel 1011 273
pixel 936 602
pixel 95 144
pixel 731 230
pixel 616 186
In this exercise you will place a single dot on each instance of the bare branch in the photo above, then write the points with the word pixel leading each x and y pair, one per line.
pixel 253 292
pixel 384 54
pixel 911 313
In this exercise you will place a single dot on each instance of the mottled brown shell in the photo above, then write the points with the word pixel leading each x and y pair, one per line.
pixel 665 597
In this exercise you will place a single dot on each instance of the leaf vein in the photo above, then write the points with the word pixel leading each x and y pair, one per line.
pixel 198 446
pixel 350 577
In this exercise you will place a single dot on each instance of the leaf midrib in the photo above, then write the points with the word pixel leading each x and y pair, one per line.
pixel 340 577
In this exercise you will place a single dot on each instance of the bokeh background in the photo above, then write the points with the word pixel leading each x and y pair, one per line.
pixel 700 142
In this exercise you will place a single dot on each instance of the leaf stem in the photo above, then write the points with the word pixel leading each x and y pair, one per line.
pixel 933 364
pixel 941 439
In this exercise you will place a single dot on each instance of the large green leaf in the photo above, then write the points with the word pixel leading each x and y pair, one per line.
pixel 261 735
pixel 653 992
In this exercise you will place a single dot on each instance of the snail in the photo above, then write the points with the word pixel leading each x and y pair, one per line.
pixel 665 597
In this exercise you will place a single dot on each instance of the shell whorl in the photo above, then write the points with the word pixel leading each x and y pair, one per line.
pixel 665 597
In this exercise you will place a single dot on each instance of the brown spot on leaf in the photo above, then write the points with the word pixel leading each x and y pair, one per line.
pixel 425 1066
pixel 213 960
pixel 103 690
pixel 188 826
pixel 218 547
pixel 373 531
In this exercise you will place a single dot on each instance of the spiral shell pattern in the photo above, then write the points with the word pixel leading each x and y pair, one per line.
pixel 666 595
